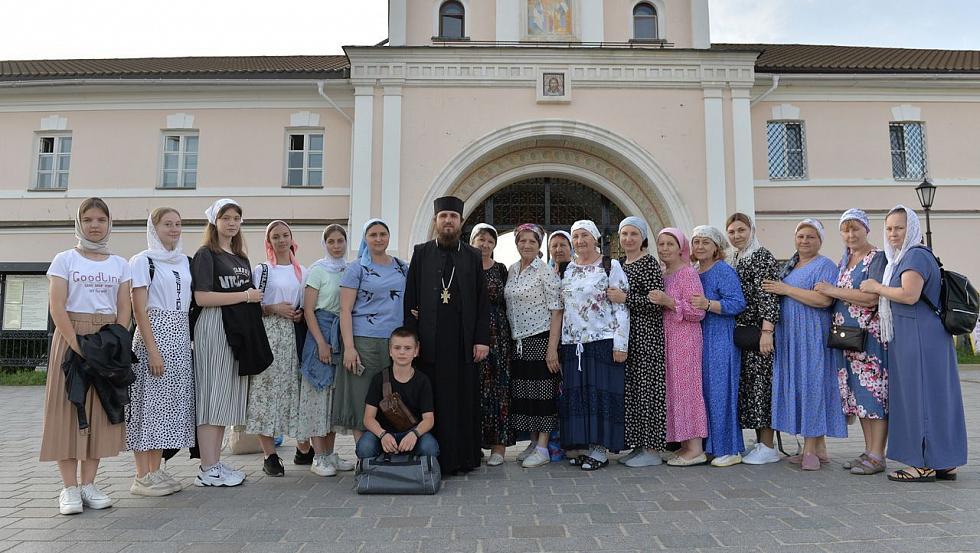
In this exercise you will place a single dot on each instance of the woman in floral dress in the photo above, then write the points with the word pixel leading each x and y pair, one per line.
pixel 861 375
pixel 495 369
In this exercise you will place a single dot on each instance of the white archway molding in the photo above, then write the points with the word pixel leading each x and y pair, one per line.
pixel 641 162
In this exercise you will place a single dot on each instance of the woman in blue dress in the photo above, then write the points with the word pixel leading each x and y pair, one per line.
pixel 926 427
pixel 721 360
pixel 861 375
pixel 805 396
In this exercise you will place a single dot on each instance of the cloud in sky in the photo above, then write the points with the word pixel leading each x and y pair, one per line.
pixel 137 28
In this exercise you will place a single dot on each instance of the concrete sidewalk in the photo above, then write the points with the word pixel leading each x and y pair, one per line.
pixel 503 509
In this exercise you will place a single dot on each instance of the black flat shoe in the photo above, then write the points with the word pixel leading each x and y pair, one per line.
pixel 304 458
pixel 946 474
pixel 590 464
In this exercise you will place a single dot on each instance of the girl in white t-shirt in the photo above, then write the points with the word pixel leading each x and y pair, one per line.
pixel 161 410
pixel 273 395
pixel 89 288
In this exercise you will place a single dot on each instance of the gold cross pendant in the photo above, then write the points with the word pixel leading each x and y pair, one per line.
pixel 445 295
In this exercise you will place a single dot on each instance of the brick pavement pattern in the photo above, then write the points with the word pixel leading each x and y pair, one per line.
pixel 770 508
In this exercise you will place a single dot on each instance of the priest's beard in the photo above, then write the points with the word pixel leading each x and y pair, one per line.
pixel 448 236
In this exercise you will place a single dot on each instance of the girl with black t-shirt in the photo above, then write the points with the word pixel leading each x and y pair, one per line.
pixel 222 276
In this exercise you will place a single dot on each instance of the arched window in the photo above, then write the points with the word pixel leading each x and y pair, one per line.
pixel 644 22
pixel 451 19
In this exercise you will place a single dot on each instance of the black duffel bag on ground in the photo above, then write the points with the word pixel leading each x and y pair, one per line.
pixel 399 474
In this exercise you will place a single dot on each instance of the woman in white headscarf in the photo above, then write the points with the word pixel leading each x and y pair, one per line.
pixel 755 326
pixel 805 394
pixel 161 410
pixel 595 341
pixel 89 288
pixel 926 426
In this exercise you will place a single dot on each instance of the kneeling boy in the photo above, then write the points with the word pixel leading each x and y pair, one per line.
pixel 416 393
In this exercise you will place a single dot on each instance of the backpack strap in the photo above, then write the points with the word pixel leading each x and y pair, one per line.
pixel 153 268
pixel 264 279
pixel 607 264
pixel 561 268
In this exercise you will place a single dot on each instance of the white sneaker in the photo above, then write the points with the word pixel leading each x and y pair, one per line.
pixel 645 459
pixel 234 474
pixel 495 460
pixel 93 498
pixel 70 501
pixel 340 463
pixel 761 454
pixel 322 466
pixel 166 478
pixel 151 485
pixel 636 451
pixel 535 459
pixel 531 448
pixel 726 460
pixel 216 477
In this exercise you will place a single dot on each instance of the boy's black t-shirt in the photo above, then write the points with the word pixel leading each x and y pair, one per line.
pixel 416 394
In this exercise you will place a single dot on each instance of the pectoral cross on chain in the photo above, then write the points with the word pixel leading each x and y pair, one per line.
pixel 445 295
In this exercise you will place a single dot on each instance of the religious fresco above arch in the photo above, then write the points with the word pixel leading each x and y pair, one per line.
pixel 550 20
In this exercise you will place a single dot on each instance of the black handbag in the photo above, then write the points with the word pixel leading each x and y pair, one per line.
pixel 747 337
pixel 847 338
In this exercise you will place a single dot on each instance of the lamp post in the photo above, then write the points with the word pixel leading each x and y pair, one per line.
pixel 927 193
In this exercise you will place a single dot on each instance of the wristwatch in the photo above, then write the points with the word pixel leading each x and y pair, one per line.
pixel 416 432
pixel 383 434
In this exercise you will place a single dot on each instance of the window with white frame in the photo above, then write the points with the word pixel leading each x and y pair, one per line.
pixel 304 158
pixel 787 150
pixel 53 162
pixel 179 165
pixel 908 149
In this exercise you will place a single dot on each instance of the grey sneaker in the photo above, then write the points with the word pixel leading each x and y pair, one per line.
pixel 150 485
pixel 340 463
pixel 527 452
pixel 322 466
pixel 70 501
pixel 535 459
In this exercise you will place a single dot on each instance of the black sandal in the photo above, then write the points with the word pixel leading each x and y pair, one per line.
pixel 590 464
pixel 577 461
pixel 946 474
pixel 913 474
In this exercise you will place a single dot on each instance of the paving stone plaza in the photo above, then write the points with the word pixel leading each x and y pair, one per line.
pixel 504 509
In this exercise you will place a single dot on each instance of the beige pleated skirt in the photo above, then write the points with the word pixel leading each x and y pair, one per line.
pixel 61 439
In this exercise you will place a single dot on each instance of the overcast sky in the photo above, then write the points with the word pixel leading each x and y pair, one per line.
pixel 53 29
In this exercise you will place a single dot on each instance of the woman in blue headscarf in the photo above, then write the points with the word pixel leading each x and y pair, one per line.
pixel 371 293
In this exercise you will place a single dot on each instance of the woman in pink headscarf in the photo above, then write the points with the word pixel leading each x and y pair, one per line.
pixel 687 419
pixel 273 395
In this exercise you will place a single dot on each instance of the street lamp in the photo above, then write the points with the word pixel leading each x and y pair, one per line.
pixel 927 193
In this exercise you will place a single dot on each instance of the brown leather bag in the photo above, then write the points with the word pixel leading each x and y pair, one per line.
pixel 392 406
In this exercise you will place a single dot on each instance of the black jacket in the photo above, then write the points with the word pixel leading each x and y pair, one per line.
pixel 246 337
pixel 106 363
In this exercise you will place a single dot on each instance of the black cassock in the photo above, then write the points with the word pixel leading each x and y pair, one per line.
pixel 448 332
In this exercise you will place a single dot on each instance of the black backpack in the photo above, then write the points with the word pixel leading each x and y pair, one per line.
pixel 959 303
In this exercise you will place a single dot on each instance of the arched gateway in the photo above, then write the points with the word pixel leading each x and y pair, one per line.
pixel 577 161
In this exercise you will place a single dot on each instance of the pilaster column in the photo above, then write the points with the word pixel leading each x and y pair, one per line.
pixel 714 150
pixel 361 152
pixel 742 151
pixel 391 161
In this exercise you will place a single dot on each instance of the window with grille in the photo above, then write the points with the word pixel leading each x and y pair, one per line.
pixel 644 22
pixel 304 158
pixel 908 149
pixel 787 150
pixel 179 165
pixel 451 20
pixel 53 162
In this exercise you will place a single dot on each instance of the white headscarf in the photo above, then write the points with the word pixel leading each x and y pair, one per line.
pixel 212 212
pixel 102 246
pixel 328 262
pixel 816 225
pixel 155 249
pixel 913 237
pixel 713 234
pixel 637 222
pixel 588 225
pixel 481 227
pixel 737 256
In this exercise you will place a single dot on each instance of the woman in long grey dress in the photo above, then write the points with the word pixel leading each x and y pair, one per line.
pixel 926 426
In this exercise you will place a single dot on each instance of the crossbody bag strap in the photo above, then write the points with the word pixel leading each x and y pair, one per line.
pixel 264 279
pixel 385 383
pixel 152 266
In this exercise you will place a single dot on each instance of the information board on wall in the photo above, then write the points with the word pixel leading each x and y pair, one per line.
pixel 25 303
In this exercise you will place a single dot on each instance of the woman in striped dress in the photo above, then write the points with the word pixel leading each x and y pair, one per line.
pixel 222 276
